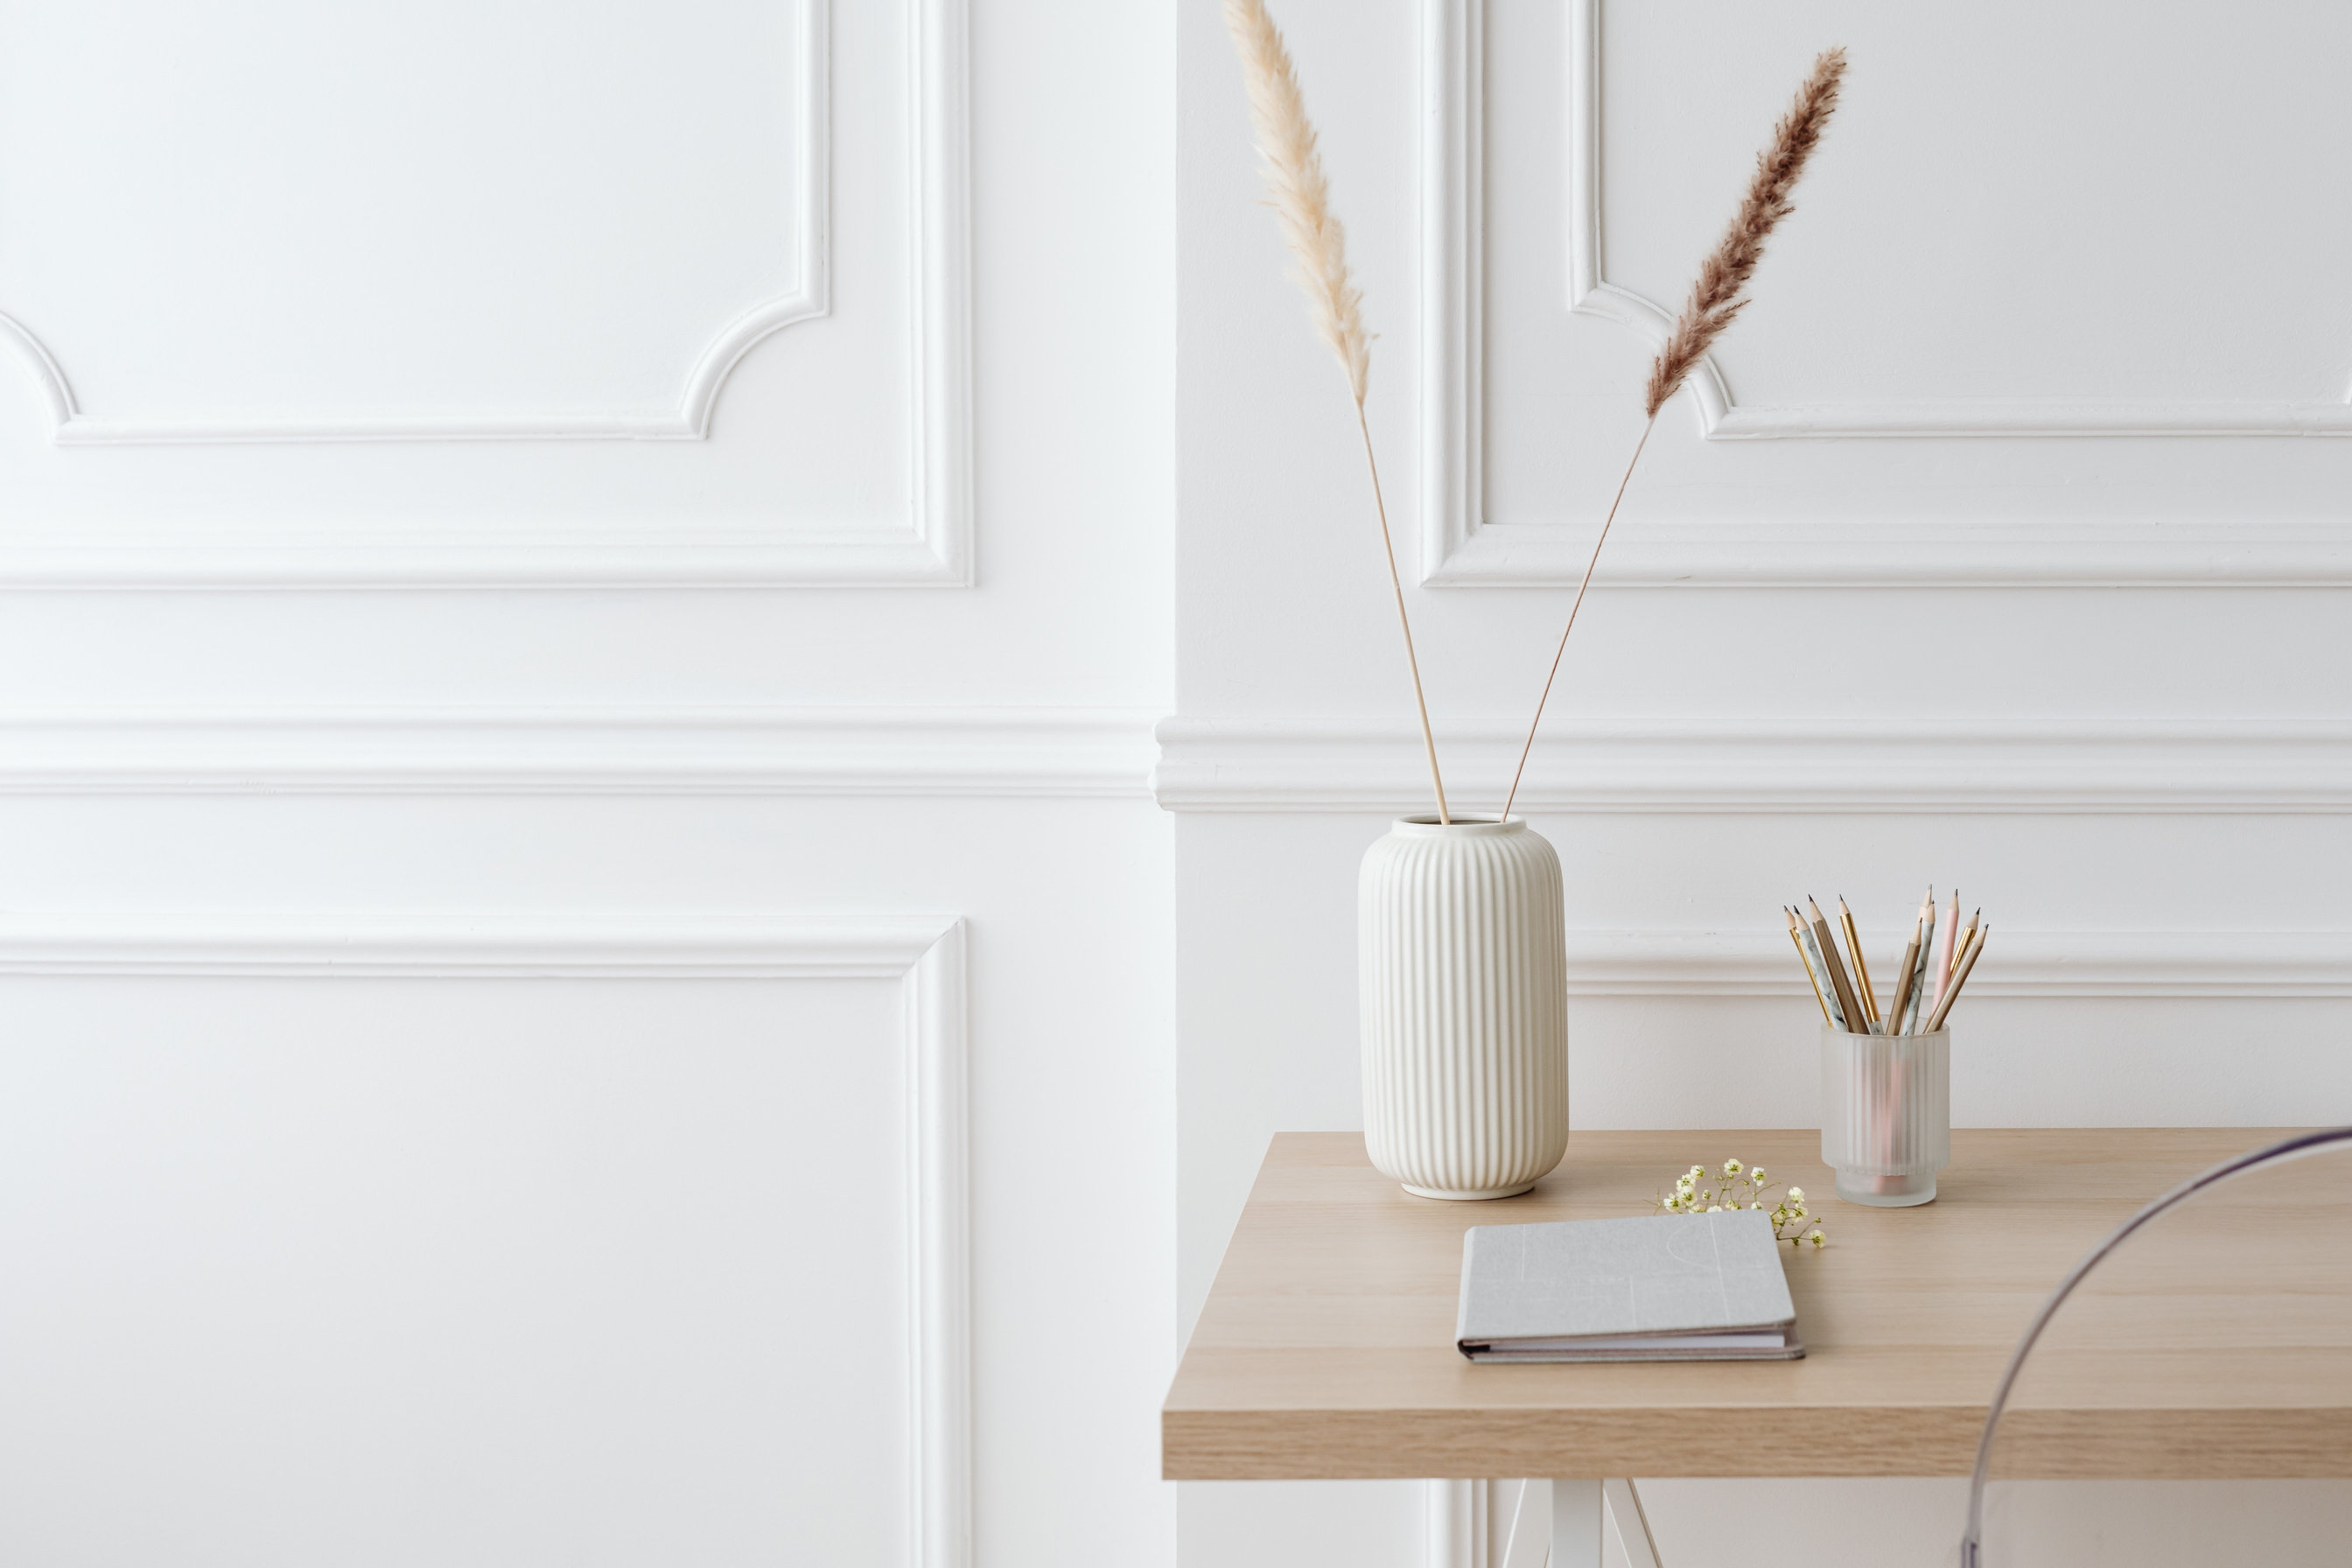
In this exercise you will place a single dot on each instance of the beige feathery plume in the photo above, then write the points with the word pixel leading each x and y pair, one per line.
pixel 1302 197
pixel 1318 246
pixel 1715 299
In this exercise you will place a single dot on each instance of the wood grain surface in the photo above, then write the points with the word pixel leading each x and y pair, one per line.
pixel 2221 1349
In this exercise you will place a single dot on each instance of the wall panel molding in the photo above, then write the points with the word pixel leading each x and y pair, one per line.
pixel 1459 550
pixel 923 953
pixel 930 547
pixel 895 751
pixel 698 388
pixel 1722 418
pixel 2031 768
pixel 2074 962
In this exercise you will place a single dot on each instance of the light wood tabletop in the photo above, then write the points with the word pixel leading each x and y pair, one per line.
pixel 1326 1349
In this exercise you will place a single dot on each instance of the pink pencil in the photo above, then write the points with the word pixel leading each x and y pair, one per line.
pixel 1940 963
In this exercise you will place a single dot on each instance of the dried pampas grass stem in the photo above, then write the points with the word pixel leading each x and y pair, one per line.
pixel 1716 300
pixel 1301 199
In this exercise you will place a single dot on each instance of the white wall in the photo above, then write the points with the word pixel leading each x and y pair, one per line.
pixel 2007 554
pixel 583 923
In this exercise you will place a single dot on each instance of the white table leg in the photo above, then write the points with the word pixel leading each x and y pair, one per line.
pixel 1575 1524
pixel 1586 1516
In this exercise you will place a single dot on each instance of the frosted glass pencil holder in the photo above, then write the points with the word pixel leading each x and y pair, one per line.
pixel 1886 1115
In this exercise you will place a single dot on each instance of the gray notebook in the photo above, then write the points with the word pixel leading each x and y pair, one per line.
pixel 1704 1287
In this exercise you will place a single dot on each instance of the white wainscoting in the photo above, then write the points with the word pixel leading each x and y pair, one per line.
pixel 1458 548
pixel 789 751
pixel 803 79
pixel 929 544
pixel 922 953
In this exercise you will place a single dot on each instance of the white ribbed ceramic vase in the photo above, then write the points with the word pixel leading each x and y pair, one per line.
pixel 1461 981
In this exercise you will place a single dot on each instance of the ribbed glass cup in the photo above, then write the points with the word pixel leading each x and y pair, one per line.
pixel 1461 976
pixel 1886 1114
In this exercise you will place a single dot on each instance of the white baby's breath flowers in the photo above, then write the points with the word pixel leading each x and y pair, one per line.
pixel 1742 1187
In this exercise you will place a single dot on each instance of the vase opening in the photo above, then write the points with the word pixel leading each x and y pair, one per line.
pixel 1476 823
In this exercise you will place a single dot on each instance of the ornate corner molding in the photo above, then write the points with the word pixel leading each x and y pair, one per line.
pixel 1459 550
pixel 931 546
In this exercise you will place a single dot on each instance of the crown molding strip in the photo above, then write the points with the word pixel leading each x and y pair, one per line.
pixel 2048 769
pixel 822 752
pixel 923 953
pixel 2241 963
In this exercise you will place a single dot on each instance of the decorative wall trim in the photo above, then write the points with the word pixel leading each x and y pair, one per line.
pixel 932 547
pixel 2207 767
pixel 689 421
pixel 1453 287
pixel 1722 418
pixel 1460 549
pixel 2241 963
pixel 892 751
pixel 923 953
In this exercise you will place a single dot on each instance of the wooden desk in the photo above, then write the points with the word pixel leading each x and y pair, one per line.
pixel 1326 1349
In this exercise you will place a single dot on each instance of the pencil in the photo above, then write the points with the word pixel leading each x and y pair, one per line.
pixel 1940 967
pixel 1798 942
pixel 1821 973
pixel 1860 964
pixel 1857 1022
pixel 1902 980
pixel 1959 976
pixel 1918 999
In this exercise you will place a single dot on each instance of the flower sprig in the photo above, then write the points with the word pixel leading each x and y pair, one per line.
pixel 1739 1186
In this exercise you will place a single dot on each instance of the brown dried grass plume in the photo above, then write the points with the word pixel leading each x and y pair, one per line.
pixel 1301 196
pixel 1715 299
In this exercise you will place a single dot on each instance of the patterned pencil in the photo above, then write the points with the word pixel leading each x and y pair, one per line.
pixel 1856 1021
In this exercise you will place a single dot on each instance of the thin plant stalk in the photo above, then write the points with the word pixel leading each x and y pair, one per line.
pixel 1396 585
pixel 1715 300
pixel 1560 652
pixel 1301 199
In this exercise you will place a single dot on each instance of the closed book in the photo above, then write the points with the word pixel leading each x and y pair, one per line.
pixel 1704 1287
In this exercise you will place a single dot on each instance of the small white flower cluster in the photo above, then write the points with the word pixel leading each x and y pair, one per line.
pixel 1739 1186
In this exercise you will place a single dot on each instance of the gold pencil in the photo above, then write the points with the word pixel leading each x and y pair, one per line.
pixel 1798 943
pixel 1860 964
pixel 1902 982
pixel 1915 1005
pixel 1856 1022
